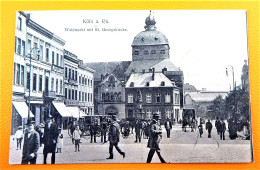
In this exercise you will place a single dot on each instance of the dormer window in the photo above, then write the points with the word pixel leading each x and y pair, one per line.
pixel 132 84
pixel 153 52
pixel 156 38
pixel 162 52
pixel 147 84
pixel 162 83
pixel 142 39
pixel 136 52
pixel 146 52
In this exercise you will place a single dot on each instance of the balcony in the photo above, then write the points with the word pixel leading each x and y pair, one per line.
pixel 71 103
pixel 56 68
pixel 50 94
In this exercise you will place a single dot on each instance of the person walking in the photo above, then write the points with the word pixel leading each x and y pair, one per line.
pixel 76 136
pixel 200 127
pixel 103 131
pixel 59 141
pixel 222 129
pixel 209 128
pixel 114 136
pixel 217 125
pixel 138 128
pixel 19 137
pixel 31 144
pixel 93 132
pixel 168 127
pixel 50 140
pixel 155 136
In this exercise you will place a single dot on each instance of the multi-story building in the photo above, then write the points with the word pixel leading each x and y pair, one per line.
pixel 38 69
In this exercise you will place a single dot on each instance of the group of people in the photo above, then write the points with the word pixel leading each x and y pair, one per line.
pixel 50 136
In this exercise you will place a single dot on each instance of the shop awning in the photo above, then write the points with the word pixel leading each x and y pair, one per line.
pixel 62 109
pixel 22 109
pixel 76 112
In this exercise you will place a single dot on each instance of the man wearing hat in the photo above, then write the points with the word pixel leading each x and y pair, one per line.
pixel 31 144
pixel 50 137
pixel 155 136
pixel 114 135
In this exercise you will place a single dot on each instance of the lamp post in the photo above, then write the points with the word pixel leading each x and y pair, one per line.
pixel 233 87
pixel 29 97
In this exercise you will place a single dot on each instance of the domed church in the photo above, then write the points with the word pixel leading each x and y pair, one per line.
pixel 150 82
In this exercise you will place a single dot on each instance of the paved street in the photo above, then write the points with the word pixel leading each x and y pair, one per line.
pixel 182 147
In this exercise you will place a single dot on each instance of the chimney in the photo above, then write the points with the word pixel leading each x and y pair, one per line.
pixel 102 77
pixel 153 74
pixel 164 69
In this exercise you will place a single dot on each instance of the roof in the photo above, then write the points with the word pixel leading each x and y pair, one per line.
pixel 189 88
pixel 118 68
pixel 140 80
pixel 206 96
pixel 150 37
pixel 148 64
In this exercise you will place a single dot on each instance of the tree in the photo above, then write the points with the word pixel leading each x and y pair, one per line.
pixel 217 107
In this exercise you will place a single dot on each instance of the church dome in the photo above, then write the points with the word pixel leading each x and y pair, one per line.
pixel 150 36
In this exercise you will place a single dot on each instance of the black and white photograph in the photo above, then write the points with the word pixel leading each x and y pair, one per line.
pixel 130 86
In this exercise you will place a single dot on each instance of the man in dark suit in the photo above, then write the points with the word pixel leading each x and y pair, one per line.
pixel 114 136
pixel 49 140
pixel 168 127
pixel 31 144
pixel 93 132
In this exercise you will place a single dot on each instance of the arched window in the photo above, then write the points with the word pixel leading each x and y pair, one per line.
pixel 148 98
pixel 158 98
pixel 111 81
pixel 147 84
pixel 132 84
pixel 162 83
pixel 167 98
pixel 130 98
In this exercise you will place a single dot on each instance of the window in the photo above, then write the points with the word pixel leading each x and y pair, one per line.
pixel 69 94
pixel 147 84
pixel 130 98
pixel 34 81
pixel 29 46
pixel 22 75
pixel 15 49
pixel 72 94
pixel 88 82
pixel 60 86
pixel 85 96
pixel 66 93
pixel 91 83
pixel 167 98
pixel 69 73
pixel 153 52
pixel 19 51
pixel 66 72
pixel 57 85
pixel 72 77
pixel 158 112
pixel 57 62
pixel 76 95
pixel 19 24
pixel 146 52
pixel 136 53
pixel 28 80
pixel 14 73
pixel 132 84
pixel 23 48
pixel 162 52
pixel 168 114
pixel 162 83
pixel 79 96
pixel 91 97
pixel 52 84
pixel 53 56
pixel 148 98
pixel 88 97
pixel 47 55
pixel 82 80
pixel 176 98
pixel 41 52
pixel 79 79
pixel 40 83
pixel 18 74
pixel 76 75
pixel 158 98
pixel 82 96
pixel 148 114
pixel 85 81
pixel 61 60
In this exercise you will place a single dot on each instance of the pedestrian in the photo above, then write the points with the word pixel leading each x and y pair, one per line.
pixel 155 136
pixel 72 128
pixel 138 128
pixel 209 128
pixel 31 144
pixel 222 129
pixel 200 127
pixel 114 138
pixel 217 125
pixel 232 128
pixel 76 136
pixel 168 127
pixel 50 140
pixel 19 137
pixel 59 141
pixel 93 132
pixel 103 131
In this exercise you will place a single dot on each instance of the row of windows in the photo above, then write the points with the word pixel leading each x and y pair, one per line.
pixel 85 81
pixel 147 84
pixel 72 94
pixel 168 113
pixel 146 52
pixel 167 96
pixel 111 96
pixel 72 74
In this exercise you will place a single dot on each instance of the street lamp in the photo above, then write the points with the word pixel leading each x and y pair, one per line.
pixel 233 87
pixel 29 97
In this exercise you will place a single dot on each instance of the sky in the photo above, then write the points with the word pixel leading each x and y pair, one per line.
pixel 203 43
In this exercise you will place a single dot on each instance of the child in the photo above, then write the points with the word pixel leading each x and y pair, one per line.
pixel 200 129
pixel 76 137
pixel 19 137
pixel 60 141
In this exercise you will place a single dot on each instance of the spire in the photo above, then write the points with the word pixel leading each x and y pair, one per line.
pixel 150 22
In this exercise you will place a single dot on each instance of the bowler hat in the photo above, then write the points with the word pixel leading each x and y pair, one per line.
pixel 30 122
pixel 20 127
pixel 156 115
pixel 114 117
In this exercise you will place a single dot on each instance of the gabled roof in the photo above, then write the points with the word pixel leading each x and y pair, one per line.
pixel 118 68
pixel 206 96
pixel 140 80
pixel 138 65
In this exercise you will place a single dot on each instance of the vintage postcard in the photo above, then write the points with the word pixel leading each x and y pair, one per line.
pixel 130 86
